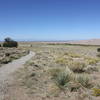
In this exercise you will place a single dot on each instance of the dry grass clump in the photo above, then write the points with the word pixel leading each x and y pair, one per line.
pixel 62 79
pixel 77 67
pixel 65 79
pixel 5 60
pixel 98 55
pixel 61 76
pixel 74 55
pixel 91 61
pixel 66 58
pixel 98 52
pixel 90 69
pixel 87 64
pixel 96 92
pixel 54 71
pixel 84 80
pixel 63 60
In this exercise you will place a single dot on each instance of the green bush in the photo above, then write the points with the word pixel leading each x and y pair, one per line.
pixel 98 49
pixel 10 43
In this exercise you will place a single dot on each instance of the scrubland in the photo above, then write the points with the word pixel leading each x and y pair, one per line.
pixel 58 72
pixel 9 54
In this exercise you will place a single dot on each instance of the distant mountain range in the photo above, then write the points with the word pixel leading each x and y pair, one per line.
pixel 86 42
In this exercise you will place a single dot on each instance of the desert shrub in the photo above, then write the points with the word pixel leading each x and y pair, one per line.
pixel 73 86
pixel 31 45
pixel 10 43
pixel 62 79
pixel 32 74
pixel 96 92
pixel 91 61
pixel 74 55
pixel 55 71
pixel 7 54
pixel 60 60
pixel 98 54
pixel 90 69
pixel 66 53
pixel 98 49
pixel 6 60
pixel 63 60
pixel 8 39
pixel 77 67
pixel 84 80
pixel 13 57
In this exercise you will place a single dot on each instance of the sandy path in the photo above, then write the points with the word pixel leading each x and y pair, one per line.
pixel 6 72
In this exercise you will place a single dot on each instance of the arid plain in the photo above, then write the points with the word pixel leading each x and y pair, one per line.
pixel 57 72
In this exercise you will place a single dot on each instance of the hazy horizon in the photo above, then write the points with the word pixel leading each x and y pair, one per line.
pixel 49 20
pixel 42 40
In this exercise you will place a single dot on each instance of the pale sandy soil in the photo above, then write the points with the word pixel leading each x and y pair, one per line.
pixel 6 74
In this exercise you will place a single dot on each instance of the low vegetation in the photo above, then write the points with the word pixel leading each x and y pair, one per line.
pixel 91 61
pixel 10 43
pixel 77 67
pixel 61 72
pixel 9 54
pixel 98 49
pixel 84 80
pixel 9 51
pixel 96 92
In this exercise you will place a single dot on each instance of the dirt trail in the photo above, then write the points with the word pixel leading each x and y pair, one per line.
pixel 6 72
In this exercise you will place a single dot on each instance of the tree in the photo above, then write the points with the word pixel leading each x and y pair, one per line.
pixel 9 43
pixel 8 39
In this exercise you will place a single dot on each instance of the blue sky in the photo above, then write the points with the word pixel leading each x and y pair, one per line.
pixel 49 19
